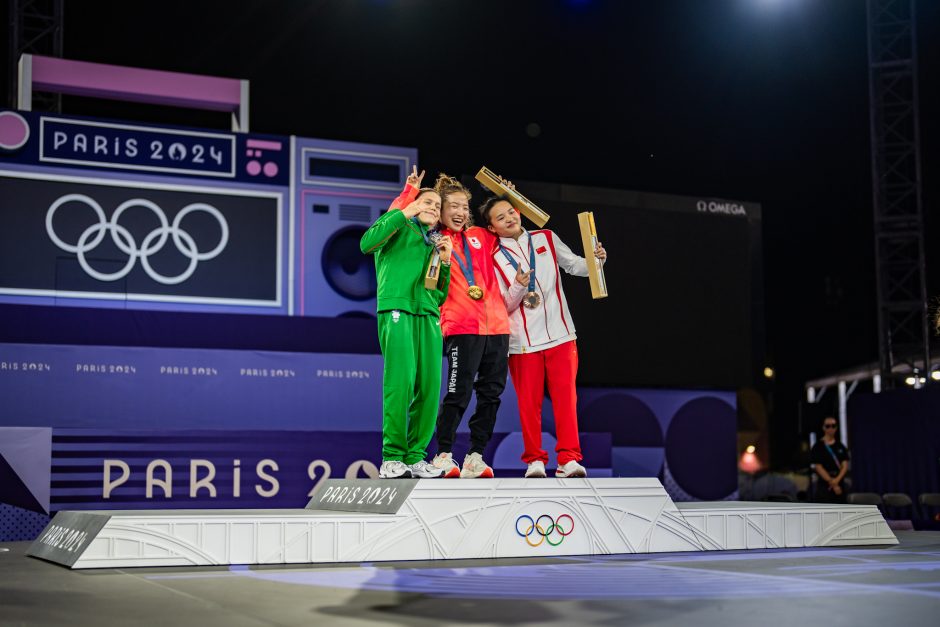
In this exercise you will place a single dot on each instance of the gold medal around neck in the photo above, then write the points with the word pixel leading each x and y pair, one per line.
pixel 475 292
pixel 531 300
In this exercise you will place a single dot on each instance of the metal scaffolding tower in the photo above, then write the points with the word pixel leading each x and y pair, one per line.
pixel 35 28
pixel 896 176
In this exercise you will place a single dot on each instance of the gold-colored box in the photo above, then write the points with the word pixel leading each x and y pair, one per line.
pixel 433 273
pixel 594 265
pixel 526 207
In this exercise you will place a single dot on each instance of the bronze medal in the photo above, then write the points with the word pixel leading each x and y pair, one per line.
pixel 531 300
pixel 475 292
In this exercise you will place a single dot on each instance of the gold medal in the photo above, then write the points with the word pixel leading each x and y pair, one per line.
pixel 475 292
pixel 531 300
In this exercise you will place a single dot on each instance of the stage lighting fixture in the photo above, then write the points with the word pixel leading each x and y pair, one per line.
pixel 769 372
pixel 935 375
pixel 910 380
pixel 749 462
pixel 751 448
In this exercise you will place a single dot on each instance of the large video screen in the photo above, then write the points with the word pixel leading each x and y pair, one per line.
pixel 106 238
pixel 683 276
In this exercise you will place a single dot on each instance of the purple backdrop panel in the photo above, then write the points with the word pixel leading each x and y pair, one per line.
pixel 204 469
pixel 18 524
pixel 894 439
pixel 117 387
pixel 179 388
pixel 701 448
pixel 84 326
pixel 685 437
pixel 108 469
pixel 120 469
pixel 25 455
pixel 87 145
pixel 100 80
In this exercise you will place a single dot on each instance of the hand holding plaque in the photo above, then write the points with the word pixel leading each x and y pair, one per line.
pixel 442 252
pixel 594 254
pixel 506 190
pixel 444 246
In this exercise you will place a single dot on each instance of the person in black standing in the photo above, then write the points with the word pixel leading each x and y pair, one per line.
pixel 830 459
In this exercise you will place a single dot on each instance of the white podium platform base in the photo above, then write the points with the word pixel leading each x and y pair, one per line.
pixel 455 519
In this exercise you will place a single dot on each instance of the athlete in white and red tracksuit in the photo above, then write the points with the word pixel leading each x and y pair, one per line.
pixel 542 348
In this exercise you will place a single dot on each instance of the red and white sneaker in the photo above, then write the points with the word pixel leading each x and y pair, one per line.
pixel 475 468
pixel 445 461
pixel 570 470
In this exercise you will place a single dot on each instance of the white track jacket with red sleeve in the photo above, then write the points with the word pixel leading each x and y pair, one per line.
pixel 550 323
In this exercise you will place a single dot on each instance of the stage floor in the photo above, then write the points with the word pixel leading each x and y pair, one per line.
pixel 833 586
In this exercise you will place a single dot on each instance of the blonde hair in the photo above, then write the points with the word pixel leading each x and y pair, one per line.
pixel 446 185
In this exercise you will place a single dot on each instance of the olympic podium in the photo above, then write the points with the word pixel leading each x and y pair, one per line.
pixel 356 520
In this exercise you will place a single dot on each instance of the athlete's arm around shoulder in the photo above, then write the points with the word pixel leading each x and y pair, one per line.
pixel 383 229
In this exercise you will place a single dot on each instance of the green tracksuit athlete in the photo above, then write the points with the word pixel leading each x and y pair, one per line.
pixel 409 330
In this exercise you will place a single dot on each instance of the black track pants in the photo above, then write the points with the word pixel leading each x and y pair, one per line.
pixel 474 362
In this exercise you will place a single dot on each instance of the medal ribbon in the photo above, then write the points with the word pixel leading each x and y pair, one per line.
pixel 424 231
pixel 515 265
pixel 466 269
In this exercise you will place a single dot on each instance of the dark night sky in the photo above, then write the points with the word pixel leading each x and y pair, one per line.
pixel 761 100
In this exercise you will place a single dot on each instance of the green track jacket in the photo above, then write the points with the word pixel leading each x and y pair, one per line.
pixel 401 259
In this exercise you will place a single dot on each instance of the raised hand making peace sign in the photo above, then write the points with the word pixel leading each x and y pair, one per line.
pixel 414 179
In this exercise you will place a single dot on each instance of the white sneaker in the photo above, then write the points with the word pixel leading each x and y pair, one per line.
pixel 536 469
pixel 445 461
pixel 571 469
pixel 394 469
pixel 475 468
pixel 424 470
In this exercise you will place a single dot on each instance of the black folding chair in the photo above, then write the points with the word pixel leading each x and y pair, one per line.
pixel 865 498
pixel 930 505
pixel 898 506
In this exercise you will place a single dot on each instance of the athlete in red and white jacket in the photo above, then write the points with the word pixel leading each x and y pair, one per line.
pixel 542 348
pixel 476 335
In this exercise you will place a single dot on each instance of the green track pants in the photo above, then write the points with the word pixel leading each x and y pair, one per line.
pixel 411 383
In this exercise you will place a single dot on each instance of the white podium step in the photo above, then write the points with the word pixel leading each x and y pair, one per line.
pixel 451 519
pixel 727 525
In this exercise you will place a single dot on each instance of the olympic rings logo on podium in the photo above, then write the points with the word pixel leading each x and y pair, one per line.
pixel 545 533
pixel 122 238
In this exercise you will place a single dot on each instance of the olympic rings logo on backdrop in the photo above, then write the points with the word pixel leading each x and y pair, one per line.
pixel 122 238
pixel 545 533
